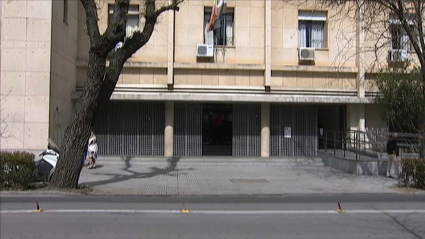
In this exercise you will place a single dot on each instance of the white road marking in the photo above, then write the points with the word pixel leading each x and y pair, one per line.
pixel 216 212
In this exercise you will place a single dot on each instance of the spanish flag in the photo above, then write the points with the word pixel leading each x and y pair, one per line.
pixel 217 11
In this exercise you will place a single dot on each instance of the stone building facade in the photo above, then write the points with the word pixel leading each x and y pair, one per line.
pixel 255 95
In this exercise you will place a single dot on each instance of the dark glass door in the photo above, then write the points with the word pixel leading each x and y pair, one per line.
pixel 217 129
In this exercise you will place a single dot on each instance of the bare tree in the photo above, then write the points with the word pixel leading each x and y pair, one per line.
pixel 383 23
pixel 102 79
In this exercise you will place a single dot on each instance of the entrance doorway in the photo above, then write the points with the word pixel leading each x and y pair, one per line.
pixel 217 129
pixel 332 118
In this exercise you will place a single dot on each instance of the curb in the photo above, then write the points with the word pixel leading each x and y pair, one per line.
pixel 289 164
pixel 38 193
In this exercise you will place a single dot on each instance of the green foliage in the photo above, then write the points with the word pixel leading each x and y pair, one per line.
pixel 402 98
pixel 16 170
pixel 413 172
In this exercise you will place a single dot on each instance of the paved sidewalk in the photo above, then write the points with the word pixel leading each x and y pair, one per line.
pixel 225 176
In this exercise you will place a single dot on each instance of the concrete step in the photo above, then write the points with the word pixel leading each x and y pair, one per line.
pixel 213 161
pixel 217 150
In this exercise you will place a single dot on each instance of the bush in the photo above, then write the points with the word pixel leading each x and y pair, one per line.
pixel 413 172
pixel 17 170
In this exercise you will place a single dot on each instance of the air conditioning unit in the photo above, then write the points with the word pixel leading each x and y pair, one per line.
pixel 397 55
pixel 204 50
pixel 306 54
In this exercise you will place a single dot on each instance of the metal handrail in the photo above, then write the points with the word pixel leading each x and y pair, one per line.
pixel 367 143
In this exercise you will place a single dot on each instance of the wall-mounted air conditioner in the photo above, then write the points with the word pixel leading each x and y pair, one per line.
pixel 204 50
pixel 306 54
pixel 397 55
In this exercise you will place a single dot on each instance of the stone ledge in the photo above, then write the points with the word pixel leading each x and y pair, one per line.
pixel 219 66
pixel 226 66
pixel 234 97
pixel 131 64
pixel 315 69
pixel 224 89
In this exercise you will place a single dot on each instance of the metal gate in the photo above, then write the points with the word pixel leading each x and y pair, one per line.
pixel 131 128
pixel 246 130
pixel 188 129
pixel 293 130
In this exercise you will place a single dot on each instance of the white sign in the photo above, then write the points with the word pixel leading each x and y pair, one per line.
pixel 287 132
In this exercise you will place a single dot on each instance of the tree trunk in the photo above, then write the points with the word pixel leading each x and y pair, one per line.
pixel 422 140
pixel 78 132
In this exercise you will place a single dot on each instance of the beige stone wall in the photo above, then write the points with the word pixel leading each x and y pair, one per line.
pixel 248 32
pixel 83 45
pixel 377 43
pixel 25 74
pixel 340 49
pixel 370 84
pixel 314 80
pixel 143 76
pixel 134 75
pixel 373 114
pixel 356 117
pixel 218 77
pixel 63 67
pixel 249 48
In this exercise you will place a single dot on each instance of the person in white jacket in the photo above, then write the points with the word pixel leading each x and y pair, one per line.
pixel 92 152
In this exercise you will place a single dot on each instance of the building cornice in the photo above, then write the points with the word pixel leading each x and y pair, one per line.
pixel 232 94
pixel 220 97
pixel 302 68
pixel 219 66
pixel 227 66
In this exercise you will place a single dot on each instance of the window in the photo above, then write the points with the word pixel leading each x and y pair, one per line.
pixel 399 38
pixel 65 11
pixel 311 27
pixel 133 19
pixel 223 34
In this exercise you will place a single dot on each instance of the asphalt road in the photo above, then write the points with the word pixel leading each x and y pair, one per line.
pixel 303 216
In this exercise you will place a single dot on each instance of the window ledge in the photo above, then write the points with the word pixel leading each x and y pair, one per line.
pixel 221 46
pixel 317 49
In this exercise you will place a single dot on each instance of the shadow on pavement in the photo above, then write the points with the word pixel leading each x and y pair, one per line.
pixel 170 170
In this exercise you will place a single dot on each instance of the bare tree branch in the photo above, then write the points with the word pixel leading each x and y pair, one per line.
pixel 173 6
pixel 91 22
pixel 132 45
pixel 419 11
pixel 116 28
pixel 139 39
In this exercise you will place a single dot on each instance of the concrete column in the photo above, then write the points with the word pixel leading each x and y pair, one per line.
pixel 268 43
pixel 356 120
pixel 170 58
pixel 265 130
pixel 360 42
pixel 356 117
pixel 169 129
